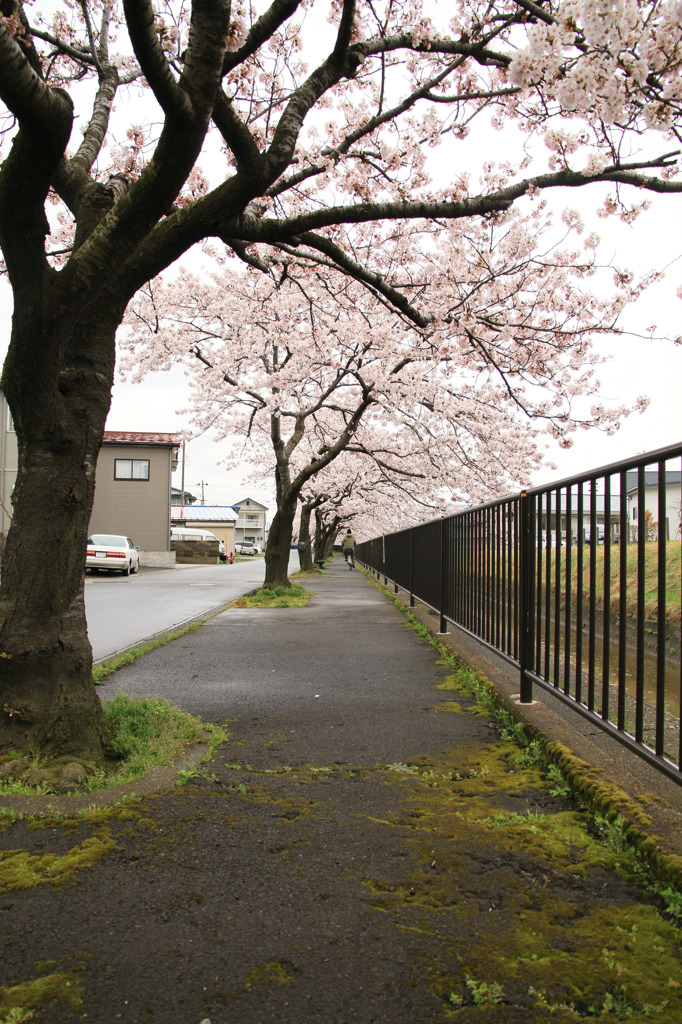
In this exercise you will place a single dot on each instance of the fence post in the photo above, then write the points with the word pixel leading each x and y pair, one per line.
pixel 526 591
pixel 411 564
pixel 442 629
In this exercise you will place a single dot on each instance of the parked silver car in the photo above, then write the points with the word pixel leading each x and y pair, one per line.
pixel 112 552
pixel 245 547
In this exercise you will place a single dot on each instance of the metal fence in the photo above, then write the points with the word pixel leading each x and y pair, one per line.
pixel 576 584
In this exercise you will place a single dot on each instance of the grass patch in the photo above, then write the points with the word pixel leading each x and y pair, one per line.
pixel 106 668
pixel 294 596
pixel 673 578
pixel 149 731
pixel 146 732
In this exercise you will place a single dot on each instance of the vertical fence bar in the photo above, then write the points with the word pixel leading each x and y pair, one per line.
pixel 498 514
pixel 679 721
pixel 525 574
pixel 661 612
pixel 567 591
pixel 469 552
pixel 606 647
pixel 622 598
pixel 486 574
pixel 592 642
pixel 515 588
pixel 557 590
pixel 579 572
pixel 538 575
pixel 641 566
pixel 412 568
pixel 455 568
pixel 548 582
pixel 503 578
pixel 443 575
pixel 511 619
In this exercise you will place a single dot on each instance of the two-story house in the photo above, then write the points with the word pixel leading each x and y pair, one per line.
pixel 132 489
pixel 251 524
pixel 673 504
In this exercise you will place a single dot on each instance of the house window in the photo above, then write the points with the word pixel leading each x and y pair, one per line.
pixel 634 512
pixel 131 469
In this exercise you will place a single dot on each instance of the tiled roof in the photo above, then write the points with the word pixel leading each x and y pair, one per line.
pixel 136 437
pixel 204 513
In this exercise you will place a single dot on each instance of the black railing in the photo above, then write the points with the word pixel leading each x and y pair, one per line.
pixel 576 584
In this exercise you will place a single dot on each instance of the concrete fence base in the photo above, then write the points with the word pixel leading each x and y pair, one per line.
pixel 158 559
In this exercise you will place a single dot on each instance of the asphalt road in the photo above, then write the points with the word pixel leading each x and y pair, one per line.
pixel 123 611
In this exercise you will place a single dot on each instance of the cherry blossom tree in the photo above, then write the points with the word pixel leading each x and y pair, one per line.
pixel 440 395
pixel 206 125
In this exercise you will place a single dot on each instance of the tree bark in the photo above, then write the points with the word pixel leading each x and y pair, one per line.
pixel 325 532
pixel 304 535
pixel 48 700
pixel 278 547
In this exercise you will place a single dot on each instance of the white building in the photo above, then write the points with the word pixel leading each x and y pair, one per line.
pixel 673 504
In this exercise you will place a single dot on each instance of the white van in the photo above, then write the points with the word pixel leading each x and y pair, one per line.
pixel 185 533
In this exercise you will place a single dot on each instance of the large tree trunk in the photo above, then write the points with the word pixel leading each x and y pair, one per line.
pixel 59 400
pixel 305 555
pixel 325 532
pixel 278 549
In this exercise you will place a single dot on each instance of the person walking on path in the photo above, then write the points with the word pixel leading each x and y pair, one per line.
pixel 348 545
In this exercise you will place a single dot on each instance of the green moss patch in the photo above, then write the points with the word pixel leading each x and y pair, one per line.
pixel 21 870
pixel 20 1003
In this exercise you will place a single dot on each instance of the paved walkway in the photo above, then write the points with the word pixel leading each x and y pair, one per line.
pixel 366 847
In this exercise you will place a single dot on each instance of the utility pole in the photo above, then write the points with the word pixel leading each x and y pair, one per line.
pixel 182 499
pixel 202 492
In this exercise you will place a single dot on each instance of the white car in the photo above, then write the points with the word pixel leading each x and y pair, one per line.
pixel 245 547
pixel 111 552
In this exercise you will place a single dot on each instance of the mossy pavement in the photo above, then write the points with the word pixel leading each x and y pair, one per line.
pixel 367 846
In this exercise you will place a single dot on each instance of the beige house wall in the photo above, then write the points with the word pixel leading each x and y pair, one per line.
pixel 223 531
pixel 140 509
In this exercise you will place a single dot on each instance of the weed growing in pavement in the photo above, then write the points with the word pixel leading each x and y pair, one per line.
pixel 485 993
pixel 17 1015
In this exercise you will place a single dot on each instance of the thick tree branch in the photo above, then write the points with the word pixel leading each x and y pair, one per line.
pixel 145 41
pixel 262 30
pixel 236 135
pixel 354 269
pixel 152 195
pixel 95 133
pixel 38 107
pixel 45 116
